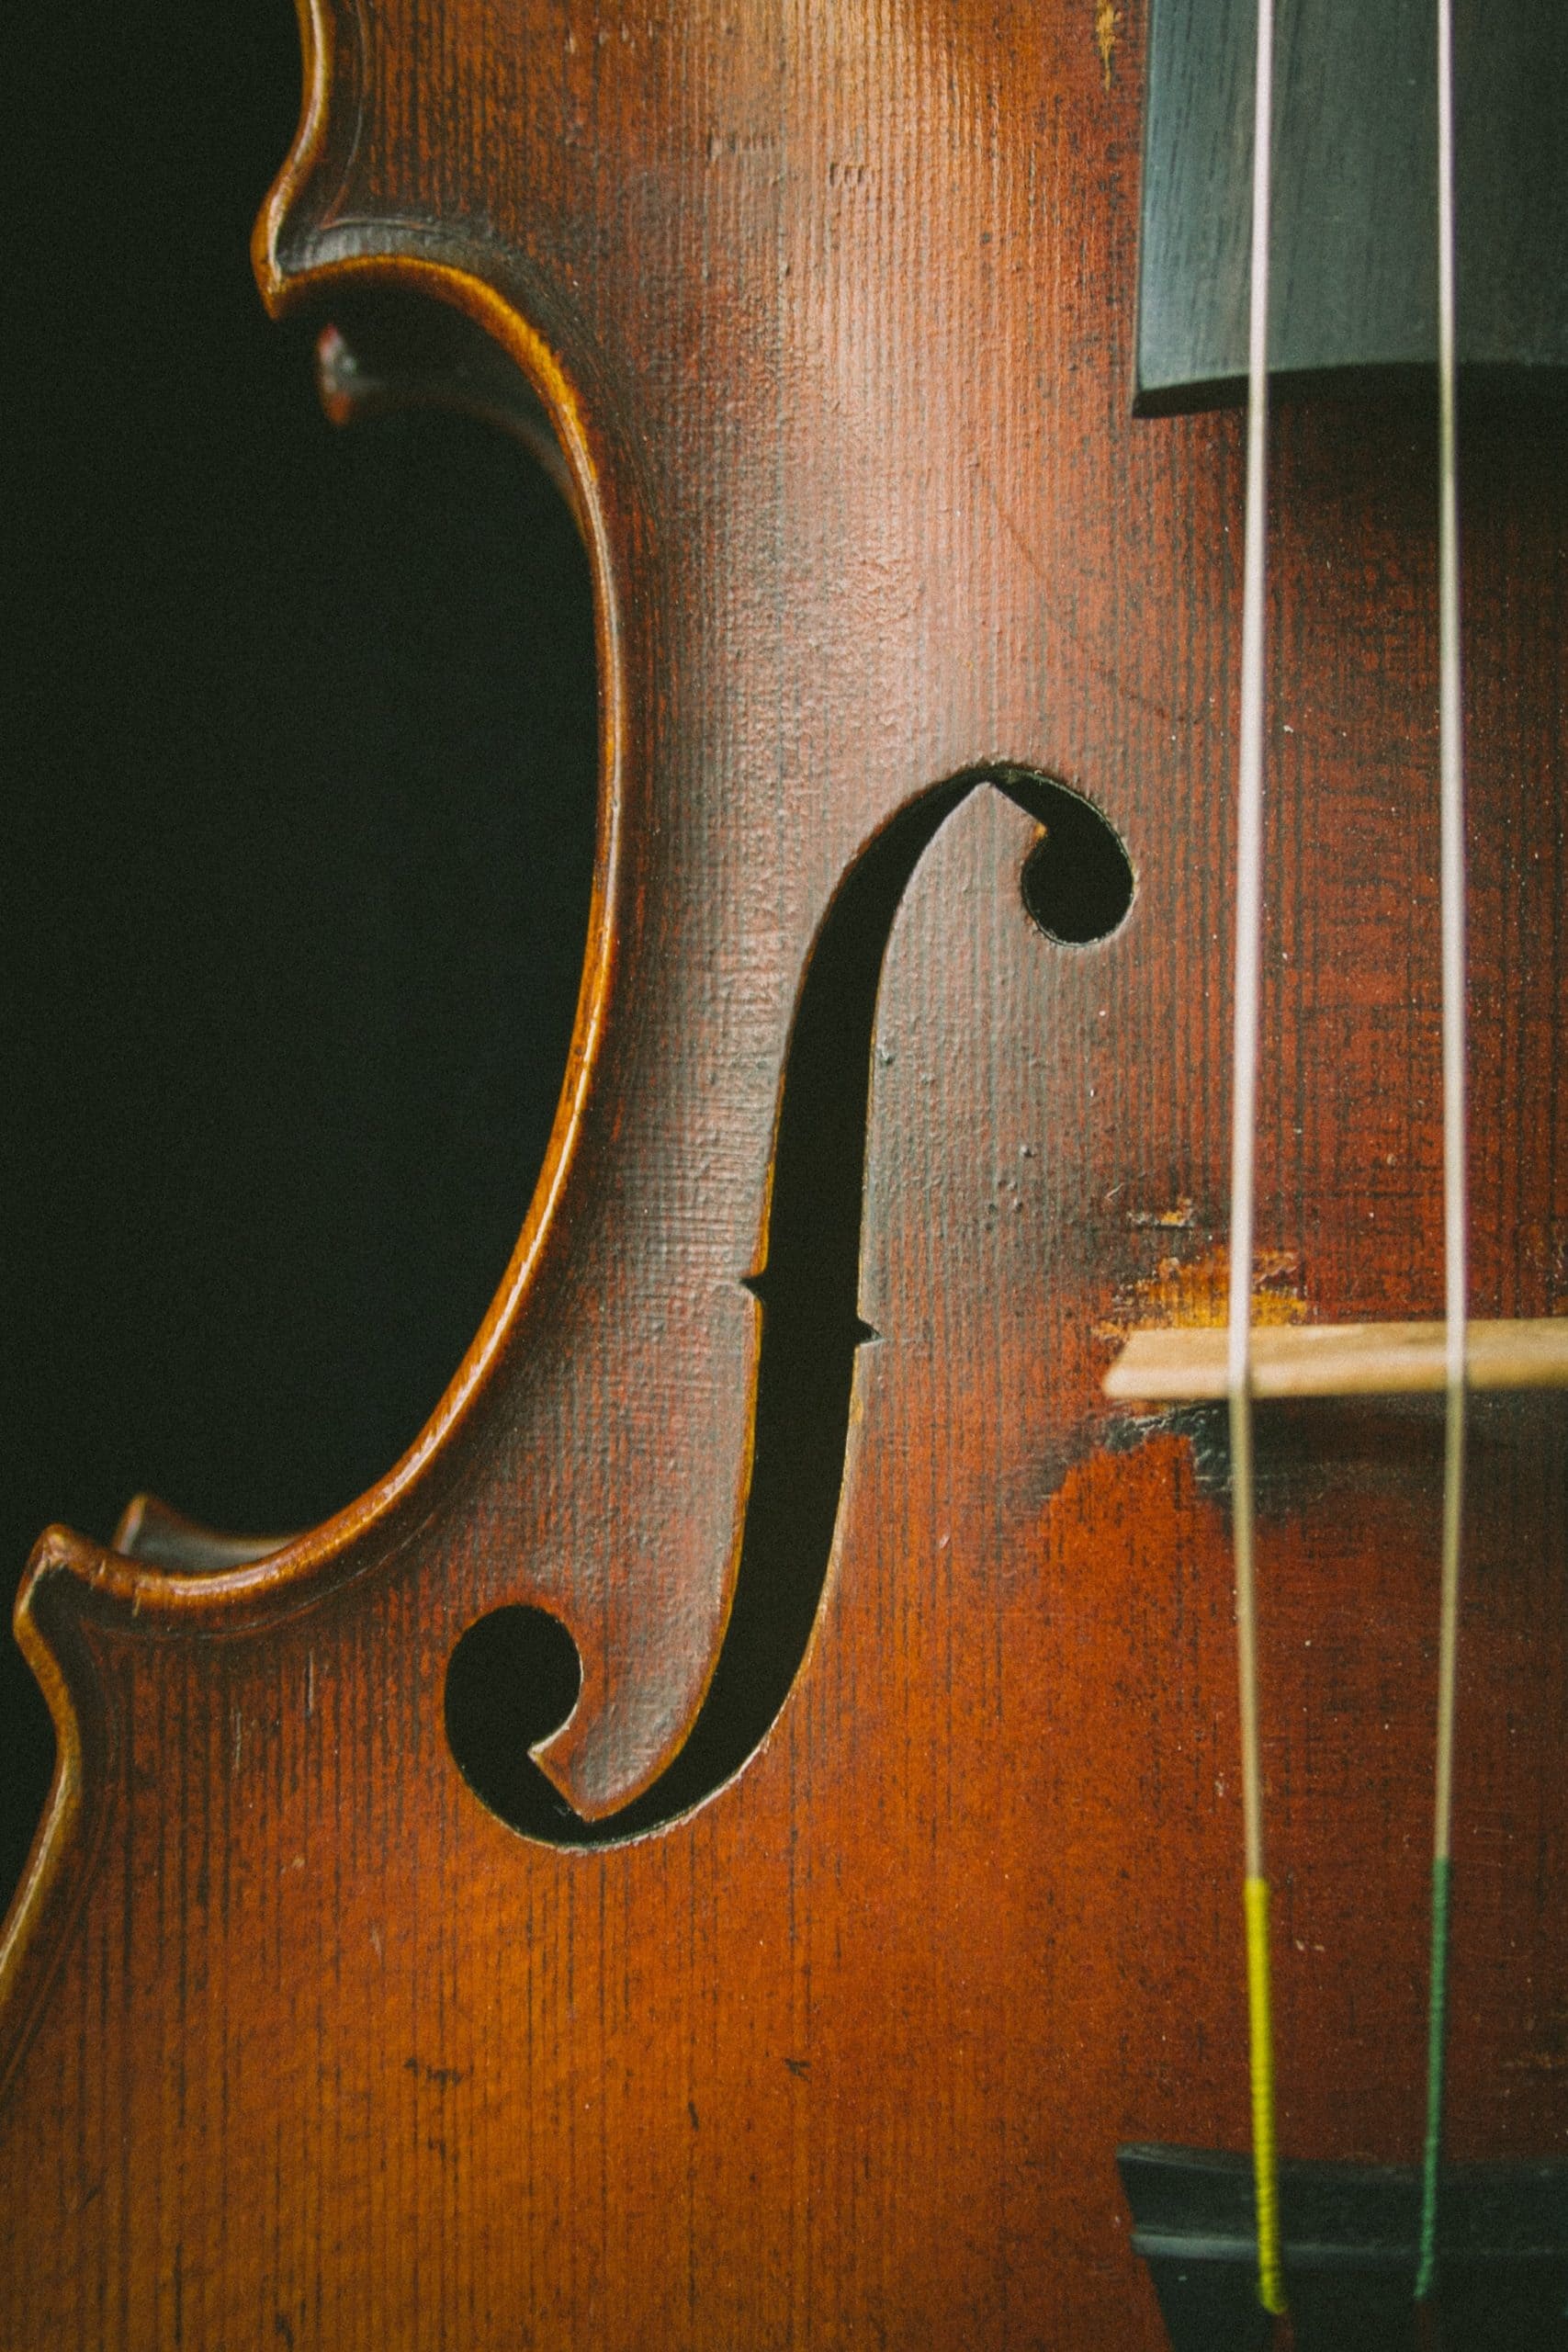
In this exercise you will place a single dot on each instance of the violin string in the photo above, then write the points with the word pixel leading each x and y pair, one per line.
pixel 1455 1206
pixel 1244 1123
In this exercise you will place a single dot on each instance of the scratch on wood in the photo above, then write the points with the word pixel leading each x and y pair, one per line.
pixel 1174 1219
pixel 1105 22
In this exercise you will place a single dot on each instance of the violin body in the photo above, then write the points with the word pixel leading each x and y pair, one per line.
pixel 834 2042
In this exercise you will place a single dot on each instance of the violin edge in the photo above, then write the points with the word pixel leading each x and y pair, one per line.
pixel 59 1869
pixel 318 1557
pixel 319 59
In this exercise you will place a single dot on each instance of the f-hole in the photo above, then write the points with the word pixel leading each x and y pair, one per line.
pixel 514 1677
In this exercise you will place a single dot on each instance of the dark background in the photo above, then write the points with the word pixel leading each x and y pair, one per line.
pixel 298 745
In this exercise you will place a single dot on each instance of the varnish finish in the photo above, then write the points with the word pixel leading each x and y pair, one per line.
pixel 833 309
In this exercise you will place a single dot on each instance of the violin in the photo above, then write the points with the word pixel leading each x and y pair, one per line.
pixel 763 1828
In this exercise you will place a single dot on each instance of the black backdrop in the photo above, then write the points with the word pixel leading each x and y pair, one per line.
pixel 299 736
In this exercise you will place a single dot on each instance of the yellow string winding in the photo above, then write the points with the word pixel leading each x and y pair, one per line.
pixel 1265 2156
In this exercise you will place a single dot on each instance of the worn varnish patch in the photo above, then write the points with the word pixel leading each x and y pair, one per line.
pixel 1194 1292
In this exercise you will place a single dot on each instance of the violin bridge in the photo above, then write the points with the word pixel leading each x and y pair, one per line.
pixel 1162 1366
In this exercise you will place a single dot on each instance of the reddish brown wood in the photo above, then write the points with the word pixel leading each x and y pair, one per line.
pixel 832 310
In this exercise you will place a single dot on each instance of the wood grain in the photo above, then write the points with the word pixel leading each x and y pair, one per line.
pixel 831 310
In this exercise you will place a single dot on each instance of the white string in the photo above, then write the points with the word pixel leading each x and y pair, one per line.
pixel 1249 947
pixel 1456 1286
pixel 1451 755
pixel 1244 1153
